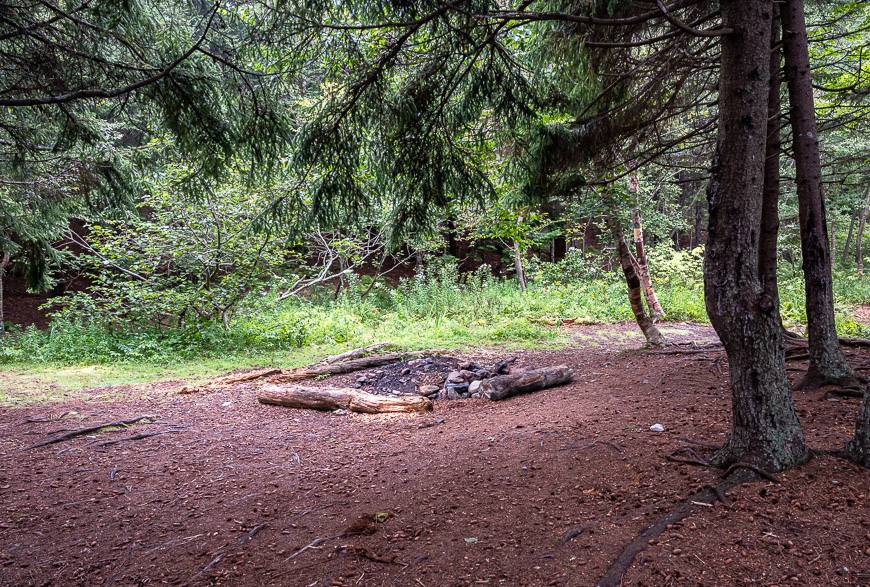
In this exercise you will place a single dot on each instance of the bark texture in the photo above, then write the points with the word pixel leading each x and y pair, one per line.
pixel 769 239
pixel 650 331
pixel 827 364
pixel 764 430
pixel 505 386
pixel 340 398
pixel 859 447
pixel 652 301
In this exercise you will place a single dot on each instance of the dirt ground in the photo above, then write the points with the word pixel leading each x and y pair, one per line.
pixel 543 489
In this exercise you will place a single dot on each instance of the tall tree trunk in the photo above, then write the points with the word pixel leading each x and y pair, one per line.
pixel 769 237
pixel 650 331
pixel 652 301
pixel 697 234
pixel 768 245
pixel 845 254
pixel 859 236
pixel 859 448
pixel 827 365
pixel 518 266
pixel 764 428
pixel 4 263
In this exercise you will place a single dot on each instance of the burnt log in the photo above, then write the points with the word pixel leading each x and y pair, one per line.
pixel 505 386
pixel 340 398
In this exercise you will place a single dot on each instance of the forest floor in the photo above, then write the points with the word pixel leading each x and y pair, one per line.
pixel 542 489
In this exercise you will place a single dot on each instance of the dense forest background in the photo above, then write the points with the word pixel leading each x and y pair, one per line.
pixel 185 180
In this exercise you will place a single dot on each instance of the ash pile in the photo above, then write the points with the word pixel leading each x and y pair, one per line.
pixel 436 377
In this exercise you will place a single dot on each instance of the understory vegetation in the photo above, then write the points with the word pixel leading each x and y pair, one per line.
pixel 437 307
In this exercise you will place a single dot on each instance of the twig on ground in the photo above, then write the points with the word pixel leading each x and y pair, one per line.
pixel 312 545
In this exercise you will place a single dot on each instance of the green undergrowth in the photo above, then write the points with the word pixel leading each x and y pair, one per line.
pixel 437 309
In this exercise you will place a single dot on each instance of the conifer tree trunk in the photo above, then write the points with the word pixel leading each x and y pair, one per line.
pixel 4 263
pixel 650 331
pixel 764 428
pixel 652 301
pixel 859 236
pixel 827 365
pixel 769 239
pixel 859 448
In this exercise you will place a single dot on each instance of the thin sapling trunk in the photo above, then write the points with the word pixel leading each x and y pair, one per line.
pixel 642 268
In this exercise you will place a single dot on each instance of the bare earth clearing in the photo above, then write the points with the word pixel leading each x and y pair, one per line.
pixel 543 489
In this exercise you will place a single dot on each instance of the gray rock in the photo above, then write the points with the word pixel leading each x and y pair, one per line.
pixel 339 412
pixel 457 387
pixel 455 377
pixel 474 386
pixel 452 394
pixel 657 428
pixel 428 389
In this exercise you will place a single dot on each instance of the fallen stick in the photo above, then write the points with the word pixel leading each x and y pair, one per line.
pixel 354 353
pixel 340 398
pixel 302 373
pixel 505 386
pixel 315 544
pixel 82 431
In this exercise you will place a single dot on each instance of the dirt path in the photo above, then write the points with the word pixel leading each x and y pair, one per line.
pixel 538 490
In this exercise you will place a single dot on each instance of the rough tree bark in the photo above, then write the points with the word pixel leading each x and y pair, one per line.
pixel 769 237
pixel 642 268
pixel 505 386
pixel 859 447
pixel 827 364
pixel 765 430
pixel 859 236
pixel 340 398
pixel 650 331
pixel 4 263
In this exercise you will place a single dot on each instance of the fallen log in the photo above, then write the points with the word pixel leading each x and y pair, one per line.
pixel 505 386
pixel 340 398
pixel 350 366
pixel 230 380
pixel 356 353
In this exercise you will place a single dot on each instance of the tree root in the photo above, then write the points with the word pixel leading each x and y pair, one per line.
pixel 91 429
pixel 708 495
pixel 750 467
pixel 699 443
pixel 693 459
pixel 139 436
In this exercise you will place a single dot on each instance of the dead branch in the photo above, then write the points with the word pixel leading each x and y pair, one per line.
pixel 358 352
pixel 126 423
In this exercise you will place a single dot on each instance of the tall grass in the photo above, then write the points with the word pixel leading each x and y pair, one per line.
pixel 437 308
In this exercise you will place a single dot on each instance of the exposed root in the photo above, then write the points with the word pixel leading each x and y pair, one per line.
pixel 707 496
pixel 138 437
pixel 693 458
pixel 699 443
pixel 750 467
pixel 126 423
pixel 845 392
